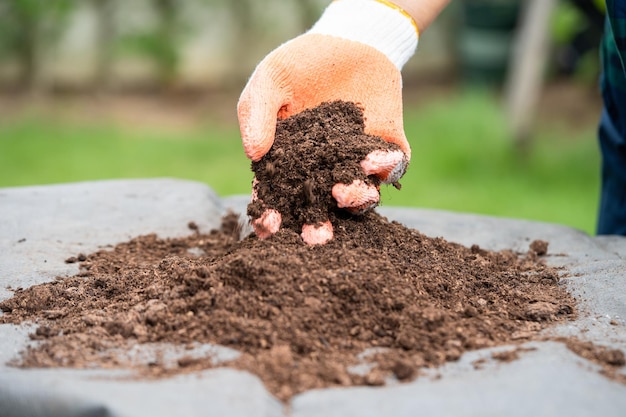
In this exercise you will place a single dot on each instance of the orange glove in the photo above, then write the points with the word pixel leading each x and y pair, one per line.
pixel 353 53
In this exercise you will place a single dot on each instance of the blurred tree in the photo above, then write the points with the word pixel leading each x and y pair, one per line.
pixel 242 12
pixel 167 51
pixel 486 38
pixel 309 11
pixel 577 29
pixel 105 37
pixel 161 44
pixel 528 63
pixel 28 29
pixel 251 27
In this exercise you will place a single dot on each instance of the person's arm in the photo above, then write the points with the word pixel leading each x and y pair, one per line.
pixel 353 53
pixel 423 12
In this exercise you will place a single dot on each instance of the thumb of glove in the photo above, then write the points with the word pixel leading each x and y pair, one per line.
pixel 259 105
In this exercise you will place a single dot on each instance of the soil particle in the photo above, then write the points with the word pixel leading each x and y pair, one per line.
pixel 540 247
pixel 301 316
pixel 510 355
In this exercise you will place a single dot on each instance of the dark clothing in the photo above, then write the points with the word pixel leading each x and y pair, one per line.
pixel 612 130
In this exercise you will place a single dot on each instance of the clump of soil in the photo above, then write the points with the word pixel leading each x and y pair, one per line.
pixel 301 316
pixel 610 360
pixel 313 151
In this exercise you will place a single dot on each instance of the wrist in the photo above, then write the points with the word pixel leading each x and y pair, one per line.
pixel 423 12
pixel 380 24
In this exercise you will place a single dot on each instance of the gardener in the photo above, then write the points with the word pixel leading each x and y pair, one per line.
pixel 355 53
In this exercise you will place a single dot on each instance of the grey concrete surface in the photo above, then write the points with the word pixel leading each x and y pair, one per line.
pixel 42 226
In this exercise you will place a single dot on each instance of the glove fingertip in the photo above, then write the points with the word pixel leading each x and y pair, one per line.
pixel 268 224
pixel 389 166
pixel 257 112
pixel 255 146
pixel 317 234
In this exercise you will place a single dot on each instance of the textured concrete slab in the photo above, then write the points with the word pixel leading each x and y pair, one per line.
pixel 42 226
pixel 545 382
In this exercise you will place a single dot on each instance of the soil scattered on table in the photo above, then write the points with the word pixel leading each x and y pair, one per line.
pixel 610 360
pixel 301 316
pixel 378 303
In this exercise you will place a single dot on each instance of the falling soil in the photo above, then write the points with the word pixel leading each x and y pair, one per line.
pixel 378 303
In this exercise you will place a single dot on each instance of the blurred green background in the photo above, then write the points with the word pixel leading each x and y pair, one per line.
pixel 107 89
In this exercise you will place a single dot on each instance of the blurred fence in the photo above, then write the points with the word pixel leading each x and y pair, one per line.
pixel 113 44
pixel 198 44
pixel 96 43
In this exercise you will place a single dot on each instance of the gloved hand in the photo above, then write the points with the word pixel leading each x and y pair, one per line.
pixel 353 53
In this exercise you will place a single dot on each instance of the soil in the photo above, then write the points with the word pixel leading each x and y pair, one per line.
pixel 300 315
pixel 380 302
pixel 610 360
pixel 333 139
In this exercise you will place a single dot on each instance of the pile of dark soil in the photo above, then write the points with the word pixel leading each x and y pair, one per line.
pixel 301 316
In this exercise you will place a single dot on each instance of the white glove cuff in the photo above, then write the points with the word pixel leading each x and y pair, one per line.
pixel 377 23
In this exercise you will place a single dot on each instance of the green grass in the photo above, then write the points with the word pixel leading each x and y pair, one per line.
pixel 463 160
pixel 41 151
